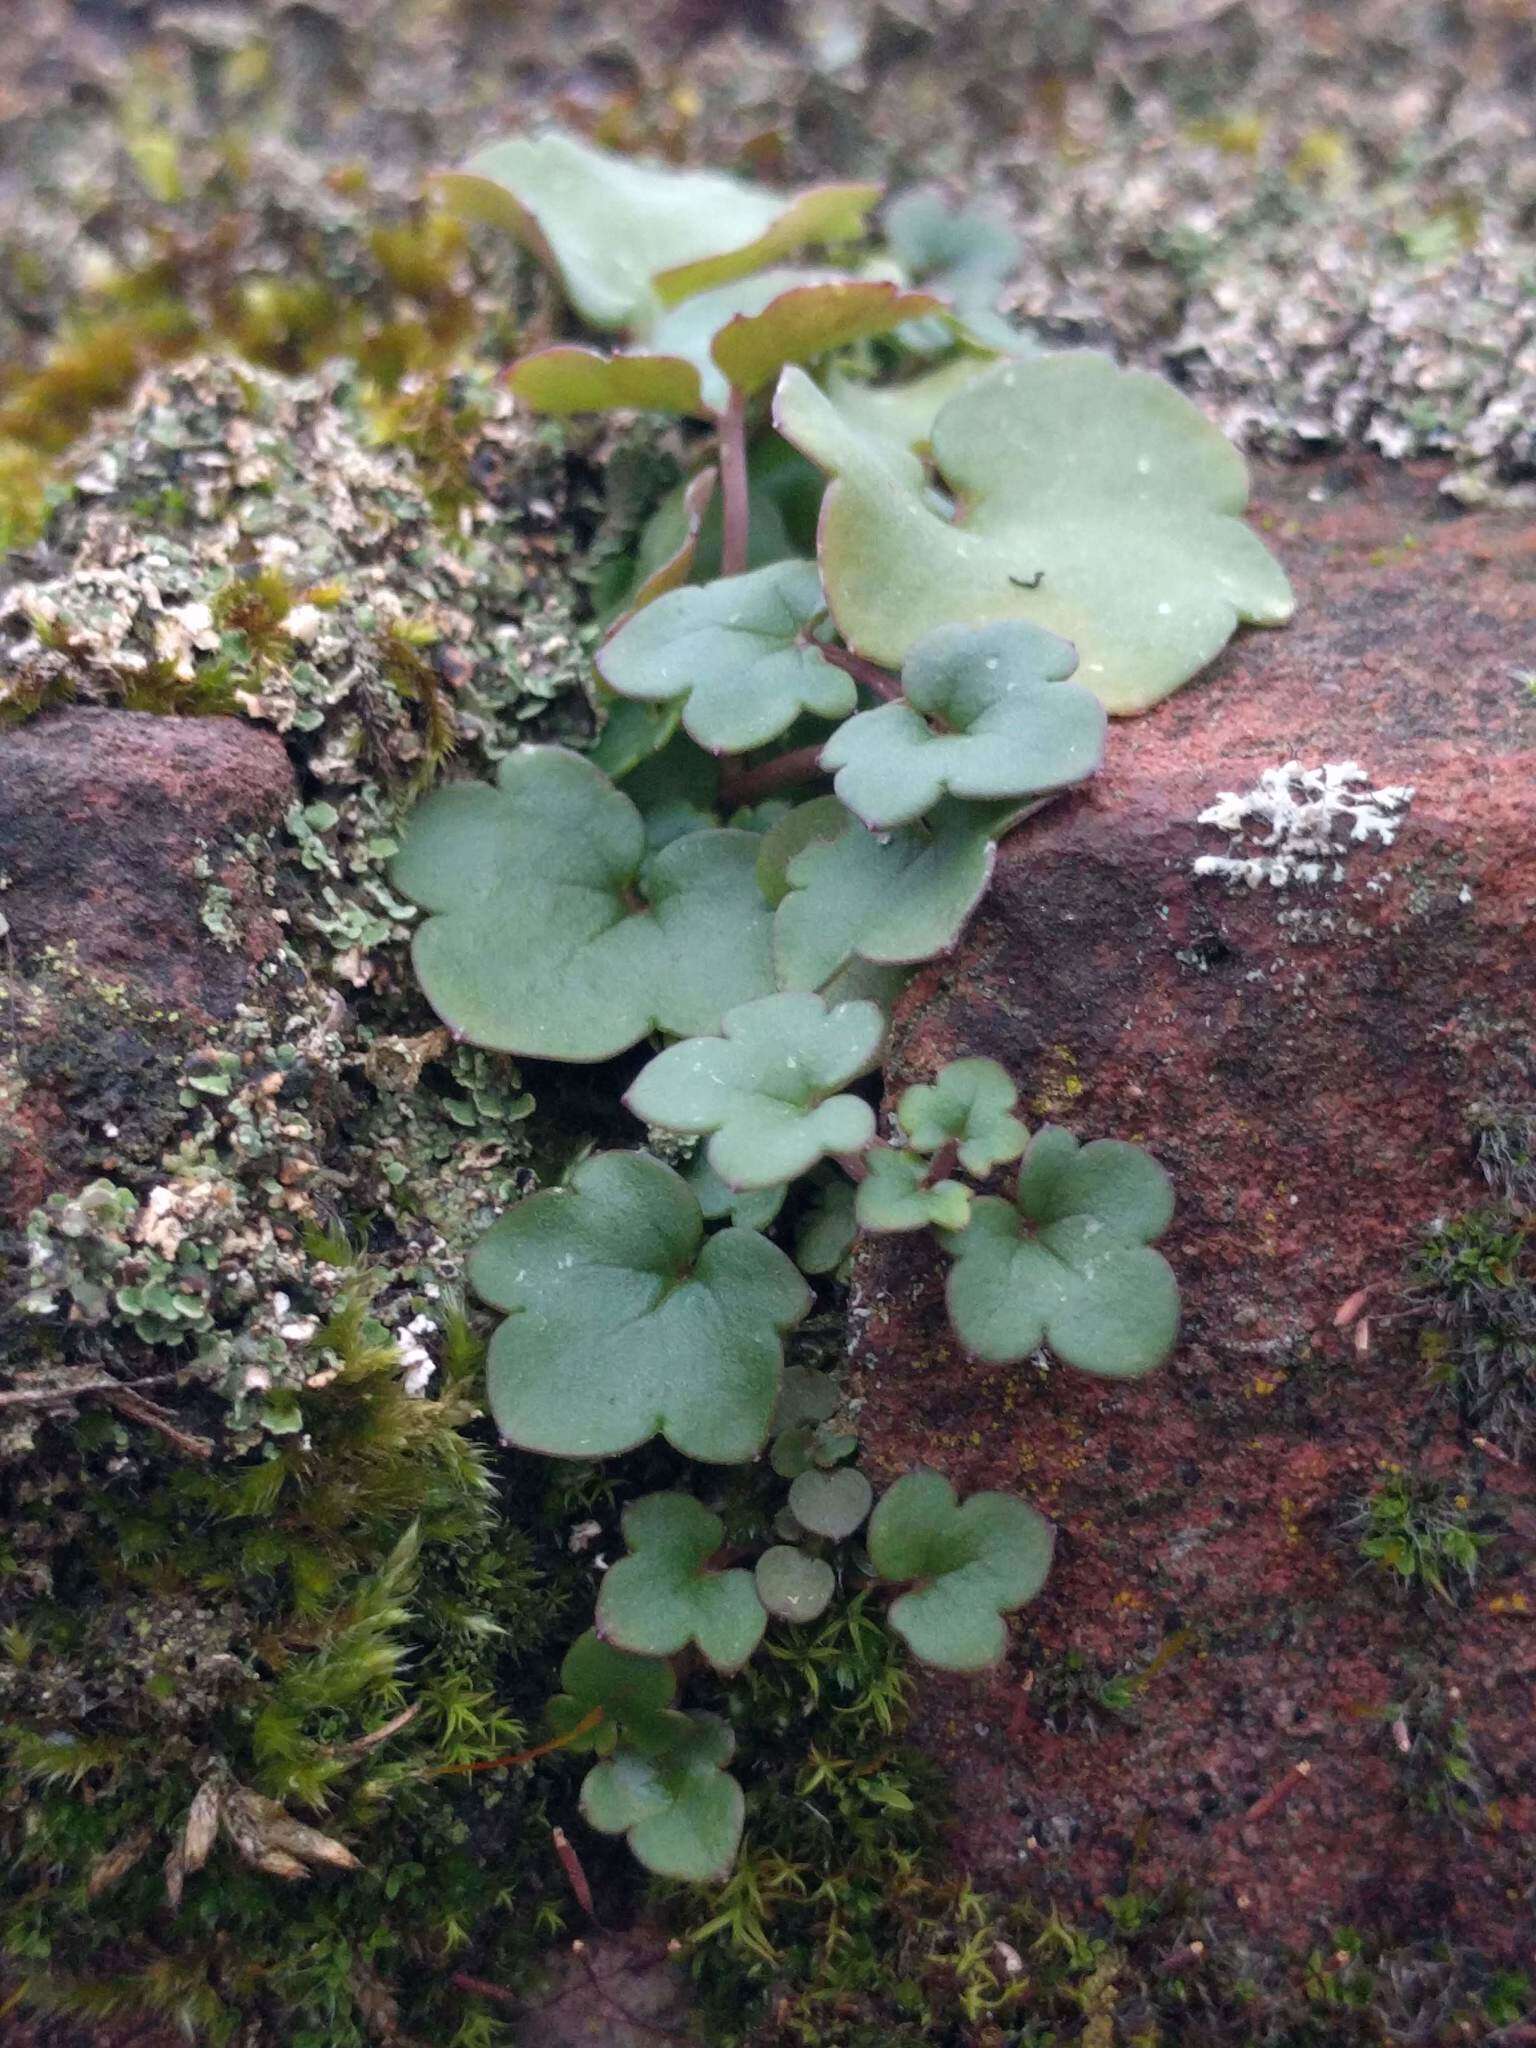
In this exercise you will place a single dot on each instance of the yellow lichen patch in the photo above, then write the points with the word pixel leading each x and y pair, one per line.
pixel 1059 1083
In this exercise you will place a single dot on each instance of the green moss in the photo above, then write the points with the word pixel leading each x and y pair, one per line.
pixel 1420 1532
pixel 341 1622
pixel 1473 1281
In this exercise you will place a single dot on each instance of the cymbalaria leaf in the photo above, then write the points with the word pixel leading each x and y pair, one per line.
pixel 1068 1262
pixel 1098 503
pixel 625 1322
pixel 830 1504
pixel 740 655
pixel 627 235
pixel 967 1565
pixel 984 714
pixel 767 1089
pixel 554 933
pixel 895 1194
pixel 890 898
pixel 679 1808
pixel 629 1694
pixel 792 1585
pixel 969 1105
pixel 665 1594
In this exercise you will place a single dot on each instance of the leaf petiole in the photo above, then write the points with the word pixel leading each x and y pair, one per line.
pixel 735 501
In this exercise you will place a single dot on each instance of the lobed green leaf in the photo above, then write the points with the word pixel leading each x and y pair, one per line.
pixel 767 1089
pixel 984 714
pixel 553 932
pixel 680 1809
pixel 740 656
pixel 627 236
pixel 967 1566
pixel 970 1105
pixel 625 1322
pixel 665 1595
pixel 1068 1262
pixel 1098 503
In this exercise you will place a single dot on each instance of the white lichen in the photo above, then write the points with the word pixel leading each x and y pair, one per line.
pixel 1296 822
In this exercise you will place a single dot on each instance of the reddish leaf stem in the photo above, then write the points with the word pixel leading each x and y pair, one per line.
pixel 735 505
pixel 523 1756
pixel 869 673
pixel 942 1164
pixel 751 785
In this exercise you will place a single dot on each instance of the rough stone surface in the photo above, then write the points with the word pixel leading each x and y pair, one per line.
pixel 129 849
pixel 1306 1061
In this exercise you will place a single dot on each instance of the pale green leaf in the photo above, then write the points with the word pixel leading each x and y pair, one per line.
pixel 827 1229
pixel 1067 1263
pixel 806 320
pixel 900 416
pixel 767 1090
pixel 984 713
pixel 967 1567
pixel 792 1585
pixel 968 253
pixel 748 1208
pixel 627 235
pixel 554 933
pixel 624 1321
pixel 967 248
pixel 806 1396
pixel 739 655
pixel 680 1809
pixel 969 1105
pixel 567 379
pixel 676 790
pixel 895 1195
pixel 665 1595
pixel 1098 503
pixel 891 898
pixel 830 1504
pixel 735 337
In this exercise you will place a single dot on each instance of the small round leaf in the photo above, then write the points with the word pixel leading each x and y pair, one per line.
pixel 895 1195
pixel 970 1104
pixel 831 1504
pixel 793 1586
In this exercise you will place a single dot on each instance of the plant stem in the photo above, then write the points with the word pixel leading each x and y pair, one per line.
pixel 48 1397
pixel 735 505
pixel 942 1164
pixel 751 785
pixel 869 673
pixel 853 1165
